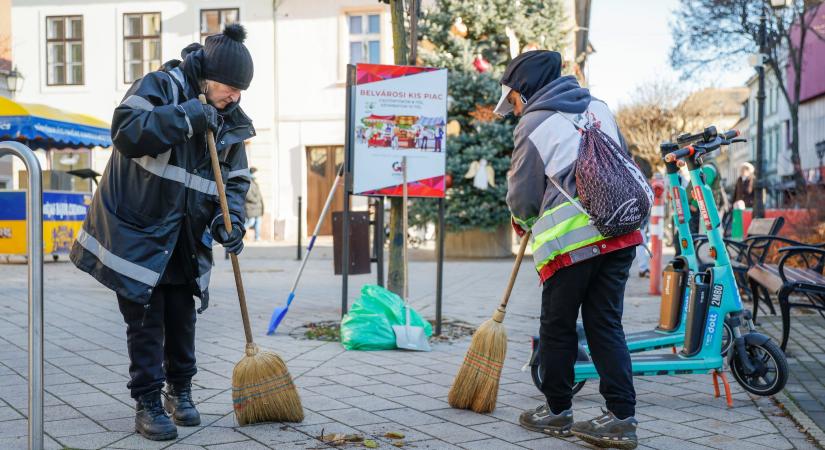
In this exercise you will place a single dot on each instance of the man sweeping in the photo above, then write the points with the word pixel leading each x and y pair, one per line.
pixel 149 230
pixel 579 268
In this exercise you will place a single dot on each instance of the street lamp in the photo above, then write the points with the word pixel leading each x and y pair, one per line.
pixel 759 188
pixel 14 80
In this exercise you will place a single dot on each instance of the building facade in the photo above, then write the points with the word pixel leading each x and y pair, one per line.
pixel 82 56
pixel 812 105
pixel 776 129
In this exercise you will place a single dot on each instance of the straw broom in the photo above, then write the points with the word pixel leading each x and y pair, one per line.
pixel 262 388
pixel 476 384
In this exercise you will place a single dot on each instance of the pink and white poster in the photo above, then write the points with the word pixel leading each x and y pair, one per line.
pixel 399 111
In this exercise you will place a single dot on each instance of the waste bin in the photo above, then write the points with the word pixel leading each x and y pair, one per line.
pixel 359 241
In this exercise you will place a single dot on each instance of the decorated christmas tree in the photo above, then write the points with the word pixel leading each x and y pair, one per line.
pixel 475 40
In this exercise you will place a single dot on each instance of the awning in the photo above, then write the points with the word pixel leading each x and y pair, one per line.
pixel 372 118
pixel 431 121
pixel 41 126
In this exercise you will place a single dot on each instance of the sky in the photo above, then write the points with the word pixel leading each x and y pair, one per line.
pixel 632 41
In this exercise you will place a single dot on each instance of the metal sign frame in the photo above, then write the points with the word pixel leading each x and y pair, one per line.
pixel 348 154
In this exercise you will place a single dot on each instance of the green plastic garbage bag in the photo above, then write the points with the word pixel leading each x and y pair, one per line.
pixel 368 325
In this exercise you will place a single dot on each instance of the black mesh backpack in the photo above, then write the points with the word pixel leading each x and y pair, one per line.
pixel 613 191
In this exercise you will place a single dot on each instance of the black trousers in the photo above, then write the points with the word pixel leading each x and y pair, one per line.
pixel 161 338
pixel 597 287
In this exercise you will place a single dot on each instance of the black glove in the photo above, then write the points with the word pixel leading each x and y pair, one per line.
pixel 204 302
pixel 211 117
pixel 232 242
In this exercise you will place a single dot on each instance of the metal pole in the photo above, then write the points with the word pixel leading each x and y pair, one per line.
pixel 439 276
pixel 379 234
pixel 34 230
pixel 300 230
pixel 758 177
pixel 348 142
pixel 413 5
pixel 378 239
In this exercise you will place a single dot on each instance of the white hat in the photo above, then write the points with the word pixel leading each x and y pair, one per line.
pixel 504 107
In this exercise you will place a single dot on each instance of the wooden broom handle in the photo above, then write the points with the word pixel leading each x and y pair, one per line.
pixel 524 241
pixel 227 223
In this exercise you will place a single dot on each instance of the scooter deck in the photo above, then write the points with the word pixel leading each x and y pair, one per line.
pixel 664 364
pixel 642 341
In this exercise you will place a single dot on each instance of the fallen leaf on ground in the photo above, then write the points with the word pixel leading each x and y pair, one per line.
pixel 354 438
pixel 333 439
pixel 398 443
pixel 394 435
pixel 369 443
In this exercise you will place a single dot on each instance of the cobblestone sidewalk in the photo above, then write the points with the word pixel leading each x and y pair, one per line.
pixel 806 359
pixel 369 393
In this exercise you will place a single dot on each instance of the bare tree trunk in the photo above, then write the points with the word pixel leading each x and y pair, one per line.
pixel 798 177
pixel 398 235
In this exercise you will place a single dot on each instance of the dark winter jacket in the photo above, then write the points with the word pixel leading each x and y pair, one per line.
pixel 744 191
pixel 158 185
pixel 254 201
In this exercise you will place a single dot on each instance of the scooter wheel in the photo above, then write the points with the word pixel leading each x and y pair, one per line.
pixel 771 369
pixel 538 372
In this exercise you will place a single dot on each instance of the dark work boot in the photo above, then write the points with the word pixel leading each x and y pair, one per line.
pixel 608 431
pixel 151 421
pixel 543 420
pixel 178 403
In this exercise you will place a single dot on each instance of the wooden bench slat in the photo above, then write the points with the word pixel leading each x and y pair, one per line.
pixel 766 275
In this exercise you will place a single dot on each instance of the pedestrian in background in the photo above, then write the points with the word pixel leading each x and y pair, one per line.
pixel 254 205
pixel 642 252
pixel 743 191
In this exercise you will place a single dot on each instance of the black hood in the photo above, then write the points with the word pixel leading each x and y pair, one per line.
pixel 530 71
pixel 562 94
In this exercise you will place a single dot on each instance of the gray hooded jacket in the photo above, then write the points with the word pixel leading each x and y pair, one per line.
pixel 547 144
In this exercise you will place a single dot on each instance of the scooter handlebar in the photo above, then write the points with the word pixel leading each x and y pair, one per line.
pixel 730 134
pixel 679 154
pixel 705 135
pixel 707 146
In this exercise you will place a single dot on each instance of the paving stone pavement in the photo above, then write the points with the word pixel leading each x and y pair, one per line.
pixel 88 406
pixel 806 359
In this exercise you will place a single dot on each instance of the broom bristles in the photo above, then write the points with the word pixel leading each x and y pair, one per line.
pixel 476 384
pixel 263 391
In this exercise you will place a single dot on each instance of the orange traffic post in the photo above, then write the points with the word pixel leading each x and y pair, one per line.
pixel 656 231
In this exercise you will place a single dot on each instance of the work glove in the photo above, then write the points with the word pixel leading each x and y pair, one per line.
pixel 516 227
pixel 211 115
pixel 204 302
pixel 233 241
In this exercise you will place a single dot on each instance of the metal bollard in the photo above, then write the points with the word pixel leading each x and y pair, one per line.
pixel 34 219
pixel 300 230
pixel 656 232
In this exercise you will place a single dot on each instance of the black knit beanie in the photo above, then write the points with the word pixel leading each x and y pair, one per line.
pixel 226 59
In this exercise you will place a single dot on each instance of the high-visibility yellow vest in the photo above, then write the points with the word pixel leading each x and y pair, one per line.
pixel 561 230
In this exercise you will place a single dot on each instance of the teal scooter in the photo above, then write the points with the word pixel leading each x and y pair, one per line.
pixel 670 331
pixel 755 361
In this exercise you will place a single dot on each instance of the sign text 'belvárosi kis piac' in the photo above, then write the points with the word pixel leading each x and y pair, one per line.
pixel 399 111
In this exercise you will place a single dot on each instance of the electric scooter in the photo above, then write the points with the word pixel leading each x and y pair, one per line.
pixel 670 331
pixel 755 361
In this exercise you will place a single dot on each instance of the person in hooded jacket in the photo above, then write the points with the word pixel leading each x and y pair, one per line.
pixel 149 229
pixel 579 268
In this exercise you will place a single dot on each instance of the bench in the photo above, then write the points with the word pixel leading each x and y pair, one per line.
pixel 805 281
pixel 738 250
